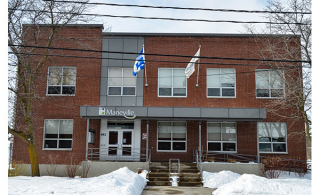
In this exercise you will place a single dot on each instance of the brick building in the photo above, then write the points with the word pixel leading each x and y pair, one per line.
pixel 94 108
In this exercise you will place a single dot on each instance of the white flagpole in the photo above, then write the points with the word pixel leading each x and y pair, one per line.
pixel 145 67
pixel 198 67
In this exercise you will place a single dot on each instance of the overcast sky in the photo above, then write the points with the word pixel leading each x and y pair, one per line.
pixel 142 25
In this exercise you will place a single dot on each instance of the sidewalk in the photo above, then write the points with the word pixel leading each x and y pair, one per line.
pixel 176 190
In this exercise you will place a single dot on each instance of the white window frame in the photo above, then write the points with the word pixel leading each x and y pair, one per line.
pixel 220 74
pixel 221 142
pixel 44 134
pixel 269 86
pixel 171 141
pixel 172 84
pixel 271 142
pixel 122 77
pixel 61 85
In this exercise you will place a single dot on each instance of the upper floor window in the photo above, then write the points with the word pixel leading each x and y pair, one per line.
pixel 269 83
pixel 58 134
pixel 221 82
pixel 272 137
pixel 172 82
pixel 61 80
pixel 121 82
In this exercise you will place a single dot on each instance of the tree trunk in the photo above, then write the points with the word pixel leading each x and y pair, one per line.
pixel 33 159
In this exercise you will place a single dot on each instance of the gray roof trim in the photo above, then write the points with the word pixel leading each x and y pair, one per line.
pixel 68 25
pixel 142 34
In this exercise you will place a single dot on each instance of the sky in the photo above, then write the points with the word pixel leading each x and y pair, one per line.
pixel 141 25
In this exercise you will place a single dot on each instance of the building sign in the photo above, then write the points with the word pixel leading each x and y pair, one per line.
pixel 129 114
pixel 144 136
pixel 102 111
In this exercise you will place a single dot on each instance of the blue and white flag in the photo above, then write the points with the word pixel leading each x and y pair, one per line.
pixel 190 68
pixel 139 63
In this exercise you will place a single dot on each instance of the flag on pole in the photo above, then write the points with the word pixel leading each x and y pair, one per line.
pixel 139 63
pixel 190 68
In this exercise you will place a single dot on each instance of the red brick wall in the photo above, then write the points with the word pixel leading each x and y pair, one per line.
pixel 229 47
pixel 66 107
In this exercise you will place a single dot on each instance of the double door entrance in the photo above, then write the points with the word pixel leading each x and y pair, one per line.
pixel 119 143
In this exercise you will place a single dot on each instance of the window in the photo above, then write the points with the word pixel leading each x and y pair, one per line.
pixel 61 81
pixel 121 82
pixel 272 137
pixel 172 82
pixel 172 136
pixel 58 134
pixel 221 82
pixel 222 137
pixel 91 136
pixel 269 83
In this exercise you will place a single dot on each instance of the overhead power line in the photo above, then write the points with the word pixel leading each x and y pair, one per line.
pixel 166 55
pixel 163 61
pixel 185 8
pixel 161 18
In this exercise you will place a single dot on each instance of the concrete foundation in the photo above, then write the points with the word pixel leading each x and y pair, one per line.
pixel 241 168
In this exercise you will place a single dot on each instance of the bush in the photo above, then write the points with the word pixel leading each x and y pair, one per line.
pixel 17 168
pixel 273 167
pixel 72 168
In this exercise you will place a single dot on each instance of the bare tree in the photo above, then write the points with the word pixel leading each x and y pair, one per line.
pixel 295 77
pixel 24 20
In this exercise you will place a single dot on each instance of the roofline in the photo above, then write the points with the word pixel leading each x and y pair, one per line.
pixel 68 25
pixel 142 34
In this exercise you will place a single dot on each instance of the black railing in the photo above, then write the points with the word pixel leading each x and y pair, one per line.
pixel 209 156
pixel 119 154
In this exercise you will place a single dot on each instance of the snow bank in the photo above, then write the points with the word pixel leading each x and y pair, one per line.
pixel 252 184
pixel 215 180
pixel 122 181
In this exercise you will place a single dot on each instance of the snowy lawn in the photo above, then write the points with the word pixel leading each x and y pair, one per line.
pixel 122 181
pixel 228 182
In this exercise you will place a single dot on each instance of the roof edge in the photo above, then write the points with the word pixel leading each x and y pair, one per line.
pixel 68 25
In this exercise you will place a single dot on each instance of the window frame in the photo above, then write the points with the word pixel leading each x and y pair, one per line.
pixel 44 134
pixel 269 85
pixel 271 142
pixel 221 142
pixel 122 78
pixel 235 84
pixel 171 141
pixel 172 76
pixel 61 85
pixel 91 136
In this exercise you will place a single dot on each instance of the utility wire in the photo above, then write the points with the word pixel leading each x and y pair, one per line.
pixel 166 55
pixel 164 61
pixel 161 18
pixel 185 8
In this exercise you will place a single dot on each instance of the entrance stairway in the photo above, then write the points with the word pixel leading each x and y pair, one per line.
pixel 159 175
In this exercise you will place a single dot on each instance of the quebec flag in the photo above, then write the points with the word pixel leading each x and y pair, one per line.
pixel 139 63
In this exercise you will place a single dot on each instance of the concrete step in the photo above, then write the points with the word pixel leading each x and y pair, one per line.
pixel 190 184
pixel 197 175
pixel 190 179
pixel 159 183
pixel 159 179
pixel 159 174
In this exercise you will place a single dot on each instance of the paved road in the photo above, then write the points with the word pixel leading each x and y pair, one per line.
pixel 176 190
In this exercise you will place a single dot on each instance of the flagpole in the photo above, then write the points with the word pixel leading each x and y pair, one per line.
pixel 198 67
pixel 145 67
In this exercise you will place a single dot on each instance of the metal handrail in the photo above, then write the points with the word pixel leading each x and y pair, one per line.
pixel 112 154
pixel 225 156
pixel 170 165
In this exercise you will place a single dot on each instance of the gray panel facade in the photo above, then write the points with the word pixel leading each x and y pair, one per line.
pixel 120 44
pixel 176 113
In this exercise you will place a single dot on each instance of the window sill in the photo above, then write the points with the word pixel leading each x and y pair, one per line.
pixel 173 151
pixel 221 97
pixel 270 97
pixel 66 95
pixel 273 152
pixel 234 152
pixel 60 149
pixel 172 96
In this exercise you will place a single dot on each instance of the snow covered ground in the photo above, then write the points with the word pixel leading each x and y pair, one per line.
pixel 228 182
pixel 122 181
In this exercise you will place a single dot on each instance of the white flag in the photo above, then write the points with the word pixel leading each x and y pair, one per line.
pixel 190 68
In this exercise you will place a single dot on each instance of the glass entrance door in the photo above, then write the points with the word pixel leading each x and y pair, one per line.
pixel 119 144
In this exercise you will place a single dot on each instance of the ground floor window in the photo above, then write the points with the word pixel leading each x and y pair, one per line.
pixel 58 134
pixel 222 137
pixel 272 137
pixel 172 136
